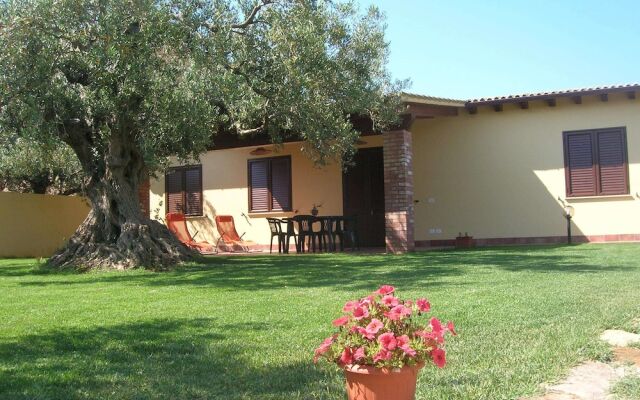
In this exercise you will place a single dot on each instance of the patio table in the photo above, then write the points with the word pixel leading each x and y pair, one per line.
pixel 301 228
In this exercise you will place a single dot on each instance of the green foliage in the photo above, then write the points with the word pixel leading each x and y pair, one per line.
pixel 27 166
pixel 245 327
pixel 172 74
pixel 627 388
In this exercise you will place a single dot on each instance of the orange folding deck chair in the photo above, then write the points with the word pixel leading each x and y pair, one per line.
pixel 229 235
pixel 177 224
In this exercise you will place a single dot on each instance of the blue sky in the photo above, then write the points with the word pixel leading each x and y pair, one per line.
pixel 477 48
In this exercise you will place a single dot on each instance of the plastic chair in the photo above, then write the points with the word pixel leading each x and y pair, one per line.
pixel 350 231
pixel 177 224
pixel 325 234
pixel 306 232
pixel 229 235
pixel 275 225
pixel 289 233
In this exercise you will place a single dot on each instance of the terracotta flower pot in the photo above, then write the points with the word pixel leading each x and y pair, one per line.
pixel 370 383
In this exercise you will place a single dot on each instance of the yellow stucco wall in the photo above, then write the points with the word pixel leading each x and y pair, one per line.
pixel 491 174
pixel 35 225
pixel 224 181
pixel 500 174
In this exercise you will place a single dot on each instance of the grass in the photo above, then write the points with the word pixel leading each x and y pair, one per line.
pixel 245 327
pixel 627 388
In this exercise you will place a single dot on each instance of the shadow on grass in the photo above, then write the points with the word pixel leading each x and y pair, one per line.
pixel 357 272
pixel 17 267
pixel 182 358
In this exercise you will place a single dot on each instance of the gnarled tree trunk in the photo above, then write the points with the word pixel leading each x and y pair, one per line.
pixel 115 234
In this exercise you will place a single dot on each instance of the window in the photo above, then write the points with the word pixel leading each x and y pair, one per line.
pixel 183 186
pixel 269 184
pixel 596 162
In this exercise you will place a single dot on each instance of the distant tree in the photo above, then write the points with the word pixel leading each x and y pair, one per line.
pixel 127 84
pixel 33 167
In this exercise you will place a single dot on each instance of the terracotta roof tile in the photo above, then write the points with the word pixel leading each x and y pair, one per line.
pixel 419 98
pixel 409 97
pixel 558 93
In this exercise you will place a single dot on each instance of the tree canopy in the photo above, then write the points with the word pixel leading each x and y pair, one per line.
pixel 126 84
pixel 32 167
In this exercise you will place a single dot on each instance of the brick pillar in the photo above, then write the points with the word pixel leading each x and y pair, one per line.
pixel 398 191
pixel 143 197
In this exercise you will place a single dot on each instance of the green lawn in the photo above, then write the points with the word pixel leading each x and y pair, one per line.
pixel 245 327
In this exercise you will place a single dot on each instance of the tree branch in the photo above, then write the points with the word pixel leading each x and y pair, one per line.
pixel 243 132
pixel 236 70
pixel 251 19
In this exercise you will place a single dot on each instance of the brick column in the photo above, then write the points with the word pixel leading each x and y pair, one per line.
pixel 144 198
pixel 398 191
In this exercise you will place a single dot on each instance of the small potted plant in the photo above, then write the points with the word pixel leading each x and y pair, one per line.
pixel 381 344
pixel 314 209
pixel 465 242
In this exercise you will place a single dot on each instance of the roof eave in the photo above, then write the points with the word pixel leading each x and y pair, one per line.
pixel 430 100
pixel 597 91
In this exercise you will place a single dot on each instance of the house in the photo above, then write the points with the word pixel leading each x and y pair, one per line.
pixel 500 169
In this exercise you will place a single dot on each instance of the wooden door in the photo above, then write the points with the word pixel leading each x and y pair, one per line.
pixel 363 195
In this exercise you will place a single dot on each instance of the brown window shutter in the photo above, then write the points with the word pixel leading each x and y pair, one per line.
pixel 281 184
pixel 258 185
pixel 173 188
pixel 193 190
pixel 580 168
pixel 612 161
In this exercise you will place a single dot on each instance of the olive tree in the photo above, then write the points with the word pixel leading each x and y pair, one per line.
pixel 127 84
pixel 33 167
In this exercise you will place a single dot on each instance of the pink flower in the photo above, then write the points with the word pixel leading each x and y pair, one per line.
pixel 360 312
pixel 451 329
pixel 368 300
pixel 390 300
pixel 438 357
pixel 409 351
pixel 430 338
pixel 359 354
pixel 436 326
pixel 340 321
pixel 423 305
pixel 347 356
pixel 403 343
pixel 383 354
pixel 323 348
pixel 385 289
pixel 437 331
pixel 402 340
pixel 398 312
pixel 363 332
pixel 350 305
pixel 387 340
pixel 374 326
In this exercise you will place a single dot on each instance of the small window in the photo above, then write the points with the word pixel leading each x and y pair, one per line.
pixel 269 184
pixel 183 186
pixel 596 162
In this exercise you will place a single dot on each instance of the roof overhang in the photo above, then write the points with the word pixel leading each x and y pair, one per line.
pixel 431 100
pixel 550 98
pixel 423 107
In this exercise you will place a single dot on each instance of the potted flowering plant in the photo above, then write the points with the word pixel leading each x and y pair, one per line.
pixel 381 345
